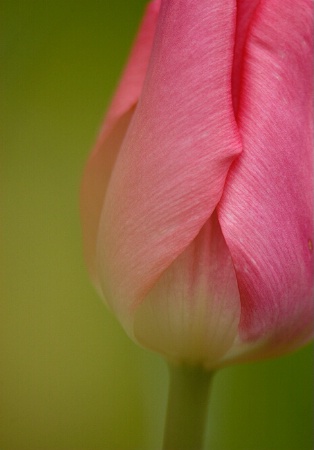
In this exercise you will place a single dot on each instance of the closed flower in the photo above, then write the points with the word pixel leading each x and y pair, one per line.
pixel 197 200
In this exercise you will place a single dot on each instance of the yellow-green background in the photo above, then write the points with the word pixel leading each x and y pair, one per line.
pixel 69 377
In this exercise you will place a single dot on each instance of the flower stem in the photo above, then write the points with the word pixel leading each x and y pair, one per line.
pixel 187 408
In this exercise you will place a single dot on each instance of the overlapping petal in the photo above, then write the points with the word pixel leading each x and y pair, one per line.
pixel 192 313
pixel 101 161
pixel 131 83
pixel 266 209
pixel 172 166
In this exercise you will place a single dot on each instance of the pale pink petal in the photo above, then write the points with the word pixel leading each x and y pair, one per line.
pixel 131 83
pixel 102 159
pixel 172 167
pixel 266 209
pixel 95 181
pixel 192 313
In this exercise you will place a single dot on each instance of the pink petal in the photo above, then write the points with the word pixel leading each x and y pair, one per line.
pixel 133 77
pixel 172 167
pixel 101 161
pixel 266 209
pixel 245 12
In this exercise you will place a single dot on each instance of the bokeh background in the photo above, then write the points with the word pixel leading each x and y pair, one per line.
pixel 69 378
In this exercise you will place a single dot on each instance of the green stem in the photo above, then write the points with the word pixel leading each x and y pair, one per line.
pixel 187 408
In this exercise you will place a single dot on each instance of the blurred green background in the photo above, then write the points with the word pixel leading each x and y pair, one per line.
pixel 70 379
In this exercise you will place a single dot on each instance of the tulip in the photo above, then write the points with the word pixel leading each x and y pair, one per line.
pixel 197 199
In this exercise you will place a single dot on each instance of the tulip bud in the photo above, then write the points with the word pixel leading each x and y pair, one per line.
pixel 197 200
